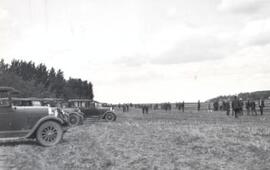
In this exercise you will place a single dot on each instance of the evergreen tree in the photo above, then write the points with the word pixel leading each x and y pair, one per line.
pixel 38 81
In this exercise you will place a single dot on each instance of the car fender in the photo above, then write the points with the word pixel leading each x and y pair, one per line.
pixel 44 119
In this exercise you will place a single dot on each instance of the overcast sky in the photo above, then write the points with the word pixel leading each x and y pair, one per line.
pixel 145 50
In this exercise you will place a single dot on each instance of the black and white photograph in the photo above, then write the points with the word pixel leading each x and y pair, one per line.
pixel 134 84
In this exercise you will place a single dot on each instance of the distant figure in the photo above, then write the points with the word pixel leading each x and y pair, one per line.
pixel 145 109
pixel 124 107
pixel 209 109
pixel 253 108
pixel 183 106
pixel 155 106
pixel 178 106
pixel 216 106
pixel 241 107
pixel 236 106
pixel 169 106
pixel 261 106
pixel 199 106
pixel 248 107
pixel 227 107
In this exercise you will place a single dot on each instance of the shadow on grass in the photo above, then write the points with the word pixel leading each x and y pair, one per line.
pixel 19 142
pixel 27 142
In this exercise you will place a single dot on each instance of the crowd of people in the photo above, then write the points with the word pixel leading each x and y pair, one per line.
pixel 235 107
pixel 250 107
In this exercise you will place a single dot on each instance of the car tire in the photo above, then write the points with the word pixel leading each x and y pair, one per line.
pixel 49 133
pixel 110 116
pixel 74 120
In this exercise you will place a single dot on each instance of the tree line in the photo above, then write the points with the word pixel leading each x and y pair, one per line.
pixel 39 81
pixel 257 95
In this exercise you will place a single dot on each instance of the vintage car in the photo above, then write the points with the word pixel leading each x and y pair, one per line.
pixel 92 108
pixel 75 116
pixel 25 121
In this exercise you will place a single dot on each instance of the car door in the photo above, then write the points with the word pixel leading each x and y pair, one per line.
pixel 5 115
pixel 5 121
pixel 25 117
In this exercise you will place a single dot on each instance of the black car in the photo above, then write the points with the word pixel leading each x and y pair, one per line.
pixel 92 108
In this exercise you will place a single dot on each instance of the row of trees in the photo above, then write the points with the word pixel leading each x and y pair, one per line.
pixel 40 81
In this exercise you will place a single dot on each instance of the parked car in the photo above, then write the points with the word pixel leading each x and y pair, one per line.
pixel 92 108
pixel 75 116
pixel 24 121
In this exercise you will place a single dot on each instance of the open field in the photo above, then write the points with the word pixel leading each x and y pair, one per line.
pixel 159 140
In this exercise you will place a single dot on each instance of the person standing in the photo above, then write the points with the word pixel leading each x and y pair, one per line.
pixel 124 107
pixel 183 106
pixel 248 107
pixel 209 107
pixel 227 107
pixel 261 106
pixel 236 106
pixel 147 109
pixel 199 106
pixel 216 106
pixel 179 106
pixel 241 107
pixel 143 109
pixel 253 108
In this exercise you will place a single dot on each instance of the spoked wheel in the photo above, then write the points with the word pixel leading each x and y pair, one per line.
pixel 110 116
pixel 74 120
pixel 49 133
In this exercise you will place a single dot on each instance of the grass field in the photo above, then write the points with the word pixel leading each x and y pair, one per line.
pixel 159 140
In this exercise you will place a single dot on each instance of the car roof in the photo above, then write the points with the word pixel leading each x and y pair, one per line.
pixel 36 99
pixel 4 89
pixel 80 100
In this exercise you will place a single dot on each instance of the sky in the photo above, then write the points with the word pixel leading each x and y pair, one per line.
pixel 145 50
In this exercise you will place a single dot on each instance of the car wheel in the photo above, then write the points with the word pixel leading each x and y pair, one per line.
pixel 74 120
pixel 110 116
pixel 49 133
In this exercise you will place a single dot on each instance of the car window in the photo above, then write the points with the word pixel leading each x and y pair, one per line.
pixel 92 105
pixel 4 103
pixel 22 103
pixel 83 104
pixel 36 103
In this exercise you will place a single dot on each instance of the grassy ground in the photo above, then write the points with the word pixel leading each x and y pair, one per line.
pixel 156 141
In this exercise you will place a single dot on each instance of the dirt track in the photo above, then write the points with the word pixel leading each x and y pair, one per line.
pixel 155 141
